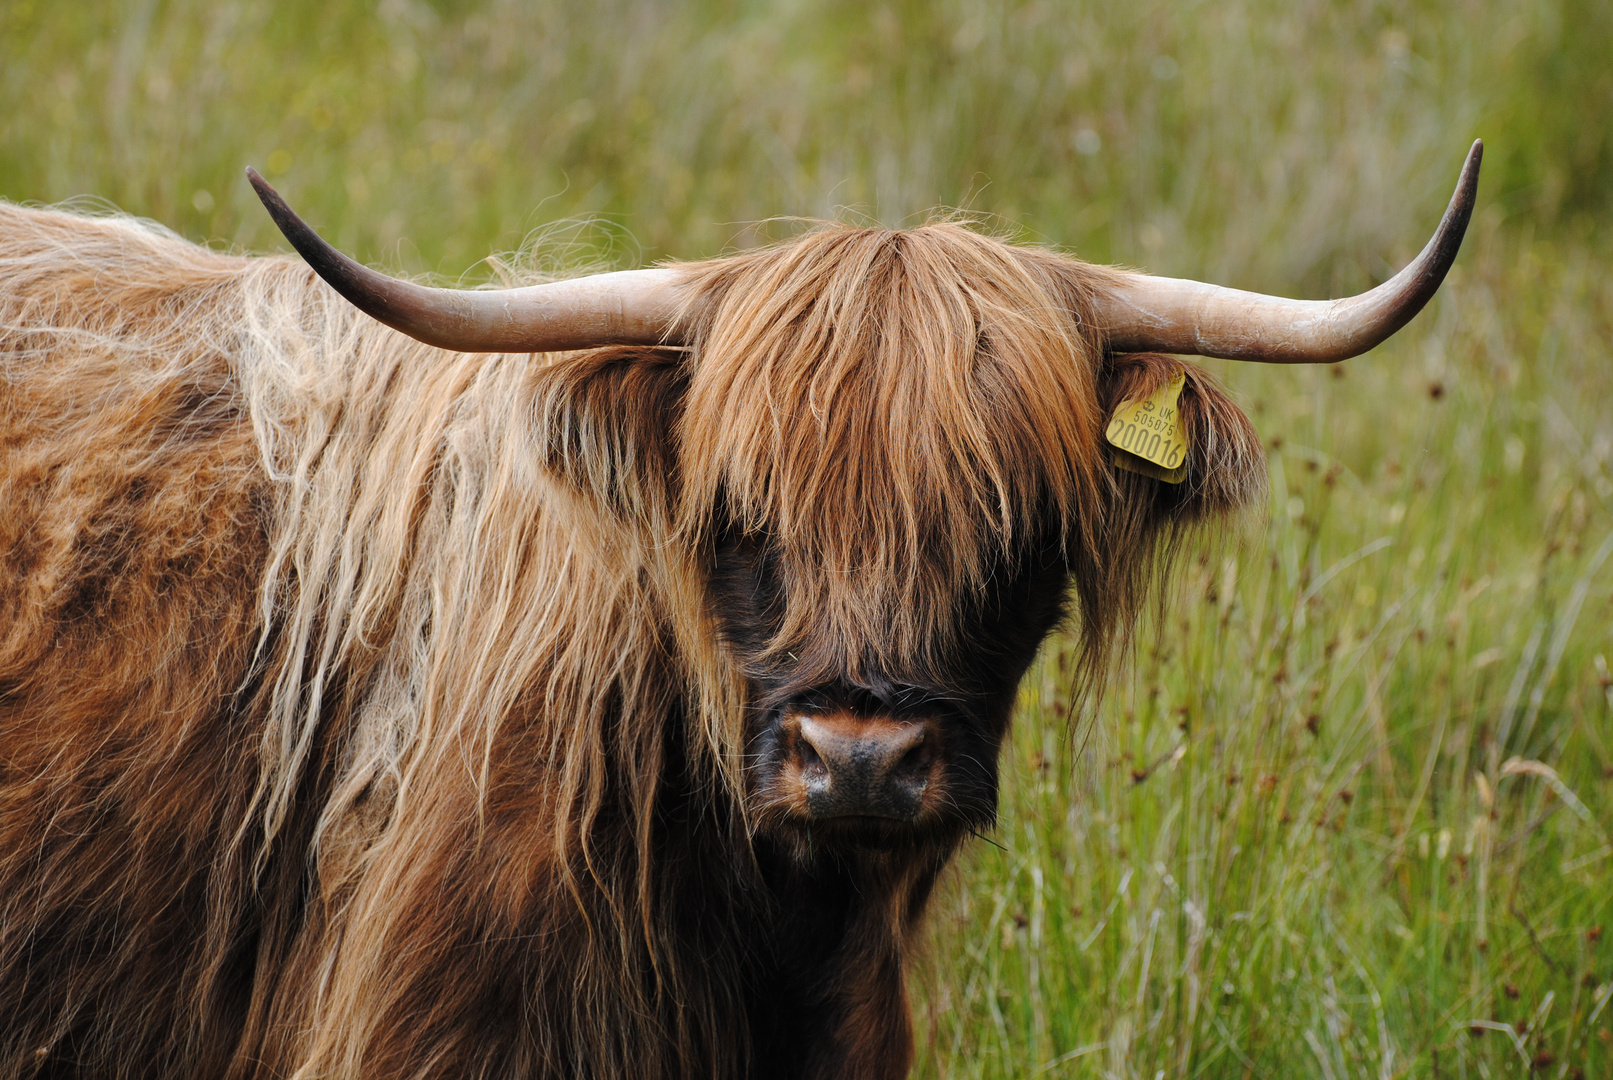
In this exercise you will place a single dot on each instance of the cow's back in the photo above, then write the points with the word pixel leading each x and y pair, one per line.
pixel 132 541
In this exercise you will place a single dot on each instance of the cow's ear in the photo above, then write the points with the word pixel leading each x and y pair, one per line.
pixel 1225 465
pixel 1145 518
pixel 606 424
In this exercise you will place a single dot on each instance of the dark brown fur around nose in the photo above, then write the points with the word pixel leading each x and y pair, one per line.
pixel 855 767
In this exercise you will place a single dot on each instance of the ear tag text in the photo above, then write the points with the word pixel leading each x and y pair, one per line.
pixel 1147 433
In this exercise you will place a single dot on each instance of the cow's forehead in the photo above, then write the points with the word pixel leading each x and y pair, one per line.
pixel 892 405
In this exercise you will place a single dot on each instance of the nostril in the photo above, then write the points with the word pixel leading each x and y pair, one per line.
pixel 810 761
pixel 913 763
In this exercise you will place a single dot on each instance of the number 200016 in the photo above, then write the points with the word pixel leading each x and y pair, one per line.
pixel 1146 444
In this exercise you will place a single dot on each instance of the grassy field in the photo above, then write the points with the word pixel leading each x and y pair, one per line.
pixel 1349 812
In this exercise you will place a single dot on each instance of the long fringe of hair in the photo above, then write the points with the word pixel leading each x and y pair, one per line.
pixel 904 413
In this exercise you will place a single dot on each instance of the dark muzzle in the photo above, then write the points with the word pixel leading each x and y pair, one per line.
pixel 862 767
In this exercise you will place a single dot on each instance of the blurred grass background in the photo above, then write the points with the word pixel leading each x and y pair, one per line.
pixel 1348 814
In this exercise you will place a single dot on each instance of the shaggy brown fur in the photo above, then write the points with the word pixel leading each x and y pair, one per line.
pixel 371 710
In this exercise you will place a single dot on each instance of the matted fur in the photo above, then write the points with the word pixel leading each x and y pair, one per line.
pixel 361 711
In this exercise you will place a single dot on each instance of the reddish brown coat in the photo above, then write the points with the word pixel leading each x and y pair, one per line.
pixel 363 710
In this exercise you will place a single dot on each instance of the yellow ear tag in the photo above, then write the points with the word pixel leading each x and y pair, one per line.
pixel 1147 434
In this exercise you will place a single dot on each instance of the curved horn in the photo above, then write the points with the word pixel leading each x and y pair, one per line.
pixel 631 307
pixel 1155 314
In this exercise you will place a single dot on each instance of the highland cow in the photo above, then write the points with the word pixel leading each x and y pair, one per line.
pixel 379 708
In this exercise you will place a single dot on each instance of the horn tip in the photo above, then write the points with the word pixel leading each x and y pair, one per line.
pixel 1468 182
pixel 268 196
pixel 1467 185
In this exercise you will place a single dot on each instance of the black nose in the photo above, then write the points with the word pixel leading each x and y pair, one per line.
pixel 857 767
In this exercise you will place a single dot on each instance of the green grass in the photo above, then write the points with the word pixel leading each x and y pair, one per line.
pixel 1351 801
